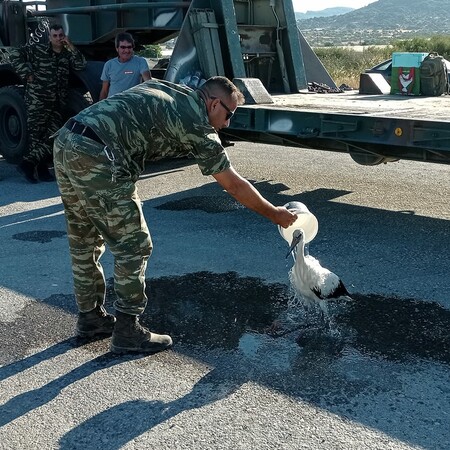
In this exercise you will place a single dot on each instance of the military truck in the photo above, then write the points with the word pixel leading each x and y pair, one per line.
pixel 254 42
pixel 92 26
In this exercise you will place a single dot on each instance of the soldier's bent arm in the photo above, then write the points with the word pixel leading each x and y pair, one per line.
pixel 241 189
pixel 20 60
pixel 77 60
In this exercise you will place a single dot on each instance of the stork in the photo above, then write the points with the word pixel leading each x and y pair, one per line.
pixel 314 283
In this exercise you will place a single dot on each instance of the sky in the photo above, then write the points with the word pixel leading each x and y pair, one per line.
pixel 318 5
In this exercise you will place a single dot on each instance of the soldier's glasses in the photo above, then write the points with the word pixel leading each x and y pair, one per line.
pixel 230 113
pixel 125 47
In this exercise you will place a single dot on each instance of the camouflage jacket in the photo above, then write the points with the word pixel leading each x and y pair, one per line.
pixel 154 120
pixel 49 69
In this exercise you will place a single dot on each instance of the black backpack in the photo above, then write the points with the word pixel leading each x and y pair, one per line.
pixel 433 76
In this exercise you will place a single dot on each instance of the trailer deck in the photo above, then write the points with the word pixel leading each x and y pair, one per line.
pixel 372 128
pixel 352 103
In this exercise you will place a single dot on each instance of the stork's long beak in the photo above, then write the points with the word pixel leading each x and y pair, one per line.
pixel 294 243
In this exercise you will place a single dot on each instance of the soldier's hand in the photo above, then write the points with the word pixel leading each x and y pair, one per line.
pixel 30 78
pixel 284 217
pixel 67 43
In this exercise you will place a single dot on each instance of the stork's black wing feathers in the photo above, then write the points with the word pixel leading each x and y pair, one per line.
pixel 340 291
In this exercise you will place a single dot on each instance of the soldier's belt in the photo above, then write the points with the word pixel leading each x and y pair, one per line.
pixel 83 130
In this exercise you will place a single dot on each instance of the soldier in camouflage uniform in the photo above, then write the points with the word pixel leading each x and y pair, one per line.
pixel 98 156
pixel 45 68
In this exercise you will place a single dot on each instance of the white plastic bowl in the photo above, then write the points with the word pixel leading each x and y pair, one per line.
pixel 306 220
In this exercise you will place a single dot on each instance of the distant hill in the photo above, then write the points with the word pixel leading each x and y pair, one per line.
pixel 323 13
pixel 379 23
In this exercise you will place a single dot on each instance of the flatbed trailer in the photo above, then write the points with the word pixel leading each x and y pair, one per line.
pixel 372 128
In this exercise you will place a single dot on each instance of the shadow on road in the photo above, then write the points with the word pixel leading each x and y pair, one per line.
pixel 127 421
pixel 384 338
pixel 30 400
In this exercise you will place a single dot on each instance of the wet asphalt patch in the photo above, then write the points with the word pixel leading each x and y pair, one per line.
pixel 41 236
pixel 214 310
pixel 38 324
pixel 209 204
pixel 224 311
pixel 399 329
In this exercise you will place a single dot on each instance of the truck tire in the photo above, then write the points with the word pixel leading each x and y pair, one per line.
pixel 13 124
pixel 369 159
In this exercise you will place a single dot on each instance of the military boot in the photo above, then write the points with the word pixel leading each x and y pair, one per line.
pixel 43 173
pixel 95 322
pixel 130 336
pixel 28 170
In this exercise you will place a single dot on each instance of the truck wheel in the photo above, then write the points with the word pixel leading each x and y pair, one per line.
pixel 370 159
pixel 13 124
pixel 367 159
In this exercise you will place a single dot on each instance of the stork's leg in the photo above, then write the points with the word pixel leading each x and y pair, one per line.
pixel 324 314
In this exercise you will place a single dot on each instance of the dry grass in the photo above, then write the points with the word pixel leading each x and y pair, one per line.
pixel 345 65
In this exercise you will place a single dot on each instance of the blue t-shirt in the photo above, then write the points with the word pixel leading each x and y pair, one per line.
pixel 123 75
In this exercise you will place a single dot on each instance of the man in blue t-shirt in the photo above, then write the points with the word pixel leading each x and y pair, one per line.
pixel 125 71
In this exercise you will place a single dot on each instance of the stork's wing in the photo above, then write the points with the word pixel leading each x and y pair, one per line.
pixel 317 292
pixel 339 291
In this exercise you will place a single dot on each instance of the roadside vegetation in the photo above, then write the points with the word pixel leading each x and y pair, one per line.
pixel 345 64
pixel 151 51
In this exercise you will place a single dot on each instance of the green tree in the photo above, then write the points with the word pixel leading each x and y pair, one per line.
pixel 439 44
pixel 151 51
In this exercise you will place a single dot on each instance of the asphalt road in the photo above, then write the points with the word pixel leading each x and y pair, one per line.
pixel 250 367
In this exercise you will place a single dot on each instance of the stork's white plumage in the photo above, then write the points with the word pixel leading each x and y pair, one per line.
pixel 314 283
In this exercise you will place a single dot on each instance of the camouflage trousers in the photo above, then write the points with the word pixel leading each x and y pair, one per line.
pixel 98 211
pixel 43 119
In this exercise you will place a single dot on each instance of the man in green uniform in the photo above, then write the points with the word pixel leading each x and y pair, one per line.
pixel 98 156
pixel 45 69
